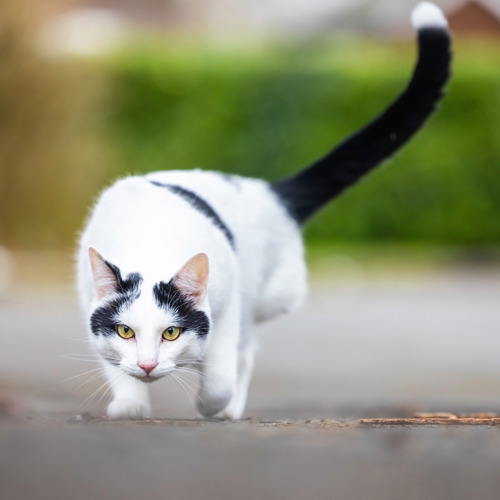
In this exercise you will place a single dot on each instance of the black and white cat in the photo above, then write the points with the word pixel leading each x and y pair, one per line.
pixel 175 268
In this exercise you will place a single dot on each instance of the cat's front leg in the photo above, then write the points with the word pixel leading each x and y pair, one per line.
pixel 234 410
pixel 130 396
pixel 219 369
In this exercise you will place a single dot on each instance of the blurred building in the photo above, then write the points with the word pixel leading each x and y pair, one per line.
pixel 153 13
pixel 106 19
pixel 392 17
pixel 476 17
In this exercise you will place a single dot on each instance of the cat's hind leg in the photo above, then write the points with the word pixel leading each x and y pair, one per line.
pixel 130 396
pixel 285 288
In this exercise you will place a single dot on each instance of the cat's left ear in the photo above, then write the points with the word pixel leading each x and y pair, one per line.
pixel 105 278
pixel 192 279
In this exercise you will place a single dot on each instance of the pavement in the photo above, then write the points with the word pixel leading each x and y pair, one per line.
pixel 361 347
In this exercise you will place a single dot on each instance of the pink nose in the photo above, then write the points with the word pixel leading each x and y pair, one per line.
pixel 147 367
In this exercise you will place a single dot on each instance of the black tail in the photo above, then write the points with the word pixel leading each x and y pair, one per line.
pixel 307 191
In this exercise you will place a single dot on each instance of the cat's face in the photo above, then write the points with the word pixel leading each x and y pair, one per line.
pixel 150 329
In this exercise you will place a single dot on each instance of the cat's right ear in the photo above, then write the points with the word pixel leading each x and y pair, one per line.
pixel 192 279
pixel 105 279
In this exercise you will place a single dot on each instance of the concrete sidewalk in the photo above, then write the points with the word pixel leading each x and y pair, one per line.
pixel 364 348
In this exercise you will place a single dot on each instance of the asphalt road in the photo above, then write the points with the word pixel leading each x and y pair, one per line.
pixel 365 347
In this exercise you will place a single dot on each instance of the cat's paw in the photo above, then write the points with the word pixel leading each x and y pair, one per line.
pixel 233 411
pixel 209 405
pixel 128 409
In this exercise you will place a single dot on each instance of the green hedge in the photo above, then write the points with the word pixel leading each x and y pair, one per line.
pixel 268 112
pixel 263 111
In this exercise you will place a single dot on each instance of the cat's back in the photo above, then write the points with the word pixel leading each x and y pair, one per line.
pixel 153 224
pixel 256 218
pixel 139 220
pixel 239 200
pixel 267 241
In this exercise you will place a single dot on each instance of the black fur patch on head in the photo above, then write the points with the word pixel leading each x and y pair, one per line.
pixel 169 297
pixel 201 206
pixel 105 318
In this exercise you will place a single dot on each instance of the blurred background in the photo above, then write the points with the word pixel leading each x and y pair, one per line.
pixel 97 89
pixel 403 311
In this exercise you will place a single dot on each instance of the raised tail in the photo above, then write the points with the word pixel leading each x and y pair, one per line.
pixel 307 191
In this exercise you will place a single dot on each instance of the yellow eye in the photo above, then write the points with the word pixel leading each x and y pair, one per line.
pixel 125 332
pixel 171 333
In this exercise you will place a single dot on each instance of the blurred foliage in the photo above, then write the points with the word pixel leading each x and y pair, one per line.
pixel 257 111
pixel 50 155
pixel 272 111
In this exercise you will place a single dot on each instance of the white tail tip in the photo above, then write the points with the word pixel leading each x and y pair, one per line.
pixel 428 15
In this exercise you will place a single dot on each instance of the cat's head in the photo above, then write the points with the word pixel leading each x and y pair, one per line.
pixel 149 329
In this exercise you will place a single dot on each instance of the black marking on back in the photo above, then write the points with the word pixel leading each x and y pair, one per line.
pixel 105 318
pixel 201 205
pixel 231 179
pixel 169 297
pixel 307 191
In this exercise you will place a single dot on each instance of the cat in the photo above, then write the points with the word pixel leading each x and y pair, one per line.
pixel 175 268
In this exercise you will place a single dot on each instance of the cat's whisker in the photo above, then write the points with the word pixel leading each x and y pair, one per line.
pixel 90 379
pixel 98 360
pixel 189 390
pixel 185 386
pixel 193 385
pixel 195 364
pixel 188 379
pixel 174 382
pixel 174 377
pixel 83 357
pixel 201 375
pixel 80 375
pixel 80 354
pixel 110 386
pixel 194 361
pixel 189 371
pixel 198 375
pixel 86 360
pixel 87 401
pixel 108 383
pixel 88 356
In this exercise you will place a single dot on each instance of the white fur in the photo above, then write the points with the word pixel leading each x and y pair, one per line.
pixel 143 228
pixel 428 15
